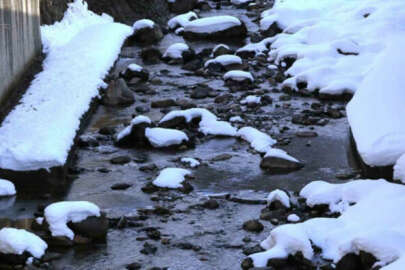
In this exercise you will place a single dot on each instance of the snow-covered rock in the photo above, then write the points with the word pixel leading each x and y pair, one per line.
pixel 258 140
pixel 135 71
pixel 178 53
pixel 16 242
pixel 164 137
pixel 250 50
pixel 241 3
pixel 376 110
pixel 236 119
pixel 208 124
pixel 293 218
pixel 221 49
pixel 171 178
pixel 279 196
pixel 238 79
pixel 145 31
pixel 79 56
pixel 335 42
pixel 278 161
pixel 251 100
pixel 217 27
pixel 399 169
pixel 369 222
pixel 181 20
pixel 134 133
pixel 192 162
pixel 224 62
pixel 59 214
pixel 7 188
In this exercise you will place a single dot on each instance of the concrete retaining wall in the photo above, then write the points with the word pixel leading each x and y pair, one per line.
pixel 20 40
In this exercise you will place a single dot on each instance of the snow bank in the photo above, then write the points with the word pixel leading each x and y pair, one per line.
pixel 376 111
pixel 81 50
pixel 14 241
pixel 181 20
pixel 209 124
pixel 212 24
pixel 335 42
pixel 258 140
pixel 171 178
pixel 7 188
pixel 369 221
pixel 164 137
pixel 59 214
pixel 280 196
pixel 176 50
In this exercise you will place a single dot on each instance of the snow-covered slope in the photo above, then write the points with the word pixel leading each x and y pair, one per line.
pixel 81 49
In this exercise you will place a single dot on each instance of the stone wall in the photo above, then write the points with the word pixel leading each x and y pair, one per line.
pixel 20 40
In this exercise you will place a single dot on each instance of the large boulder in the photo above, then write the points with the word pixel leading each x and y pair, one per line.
pixel 215 28
pixel 134 134
pixel 146 32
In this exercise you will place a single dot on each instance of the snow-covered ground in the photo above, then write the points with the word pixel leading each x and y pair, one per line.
pixel 336 42
pixel 369 222
pixel 80 49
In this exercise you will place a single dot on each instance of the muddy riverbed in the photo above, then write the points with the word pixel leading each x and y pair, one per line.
pixel 191 236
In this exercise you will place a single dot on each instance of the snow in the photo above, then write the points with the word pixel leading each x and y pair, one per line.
pixel 59 214
pixel 238 75
pixel 258 140
pixel 192 162
pixel 15 241
pixel 209 124
pixel 181 20
pixel 257 48
pixel 135 67
pixel 280 196
pixel 399 169
pixel 176 50
pixel 225 60
pixel 127 130
pixel 251 99
pixel 164 137
pixel 171 178
pixel 240 2
pixel 212 24
pixel 293 218
pixel 7 188
pixel 236 119
pixel 142 24
pixel 217 47
pixel 376 111
pixel 369 221
pixel 79 56
pixel 274 152
pixel 315 31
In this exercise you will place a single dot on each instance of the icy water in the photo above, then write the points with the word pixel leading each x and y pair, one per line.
pixel 217 233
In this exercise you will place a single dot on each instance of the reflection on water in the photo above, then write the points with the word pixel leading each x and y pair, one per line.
pixel 7 202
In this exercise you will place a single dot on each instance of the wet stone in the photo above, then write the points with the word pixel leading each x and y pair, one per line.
pixel 148 249
pixel 120 160
pixel 211 204
pixel 253 226
pixel 121 186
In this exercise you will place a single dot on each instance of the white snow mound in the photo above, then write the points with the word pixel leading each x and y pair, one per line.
pixel 164 137
pixel 15 241
pixel 171 178
pixel 7 188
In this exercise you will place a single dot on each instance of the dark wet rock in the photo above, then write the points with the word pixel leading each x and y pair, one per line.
pixel 221 50
pixel 306 134
pixel 148 249
pixel 349 262
pixel 162 211
pixel 186 56
pixel 131 73
pixel 151 55
pixel 223 98
pixel 134 266
pixel 142 109
pixel 121 186
pixel 9 260
pixel 120 160
pixel 87 141
pixel 248 250
pixel 235 32
pixel 266 100
pixel 221 157
pixel 306 120
pixel 241 84
pixel 247 264
pixel 193 65
pixel 148 167
pixel 51 256
pixel 334 113
pixel 279 165
pixel 118 94
pixel 253 226
pixel 242 200
pixel 135 137
pixel 347 174
pixel 187 246
pixel 284 98
pixel 92 227
pixel 211 204
pixel 182 6
pixel 109 130
pixel 185 104
pixel 163 103
pixel 153 233
pixel 200 92
pixel 146 35
pixel 272 30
